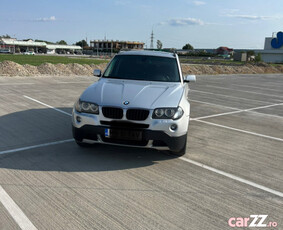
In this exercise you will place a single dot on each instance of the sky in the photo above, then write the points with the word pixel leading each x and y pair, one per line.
pixel 202 23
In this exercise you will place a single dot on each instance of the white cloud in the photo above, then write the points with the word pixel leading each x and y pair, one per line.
pixel 250 17
pixel 199 3
pixel 51 18
pixel 183 22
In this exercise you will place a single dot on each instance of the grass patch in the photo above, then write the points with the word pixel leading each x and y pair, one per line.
pixel 276 64
pixel 39 59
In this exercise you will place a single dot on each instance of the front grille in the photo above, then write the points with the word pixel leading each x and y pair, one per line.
pixel 124 124
pixel 137 114
pixel 112 112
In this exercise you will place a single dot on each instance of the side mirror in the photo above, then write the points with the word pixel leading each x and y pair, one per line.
pixel 190 78
pixel 97 73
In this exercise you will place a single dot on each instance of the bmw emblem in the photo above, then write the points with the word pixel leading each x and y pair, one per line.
pixel 126 102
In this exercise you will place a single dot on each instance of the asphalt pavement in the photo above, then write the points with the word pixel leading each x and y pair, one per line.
pixel 233 167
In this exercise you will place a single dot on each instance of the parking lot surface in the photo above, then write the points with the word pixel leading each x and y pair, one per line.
pixel 233 165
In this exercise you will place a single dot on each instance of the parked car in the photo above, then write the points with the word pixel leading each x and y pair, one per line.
pixel 140 100
pixel 5 51
pixel 29 53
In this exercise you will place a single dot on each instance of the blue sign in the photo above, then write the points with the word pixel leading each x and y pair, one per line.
pixel 276 43
pixel 107 132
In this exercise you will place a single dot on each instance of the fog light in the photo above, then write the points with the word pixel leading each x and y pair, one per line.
pixel 79 119
pixel 173 127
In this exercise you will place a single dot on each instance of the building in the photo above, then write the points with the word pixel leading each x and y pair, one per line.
pixel 54 48
pixel 196 51
pixel 240 56
pixel 273 49
pixel 114 46
pixel 224 51
pixel 15 46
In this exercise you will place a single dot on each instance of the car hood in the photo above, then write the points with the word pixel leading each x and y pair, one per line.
pixel 139 94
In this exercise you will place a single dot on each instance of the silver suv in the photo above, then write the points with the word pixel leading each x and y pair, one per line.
pixel 140 100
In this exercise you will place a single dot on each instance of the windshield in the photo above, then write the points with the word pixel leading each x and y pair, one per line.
pixel 146 68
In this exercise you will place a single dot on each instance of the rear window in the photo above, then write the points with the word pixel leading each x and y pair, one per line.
pixel 145 68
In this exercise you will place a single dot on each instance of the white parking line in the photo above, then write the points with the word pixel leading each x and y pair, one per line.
pixel 244 91
pixel 241 130
pixel 223 95
pixel 252 111
pixel 277 193
pixel 14 210
pixel 256 87
pixel 49 106
pixel 216 115
pixel 264 107
pixel 239 111
pixel 35 146
pixel 208 103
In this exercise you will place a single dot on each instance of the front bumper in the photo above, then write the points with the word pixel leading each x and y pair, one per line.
pixel 150 138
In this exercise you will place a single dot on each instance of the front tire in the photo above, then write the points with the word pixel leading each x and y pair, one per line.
pixel 181 152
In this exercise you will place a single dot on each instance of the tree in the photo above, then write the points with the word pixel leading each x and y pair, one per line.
pixel 5 36
pixel 82 43
pixel 258 57
pixel 159 44
pixel 62 42
pixel 250 53
pixel 188 46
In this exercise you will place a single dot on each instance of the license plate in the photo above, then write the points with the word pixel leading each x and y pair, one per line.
pixel 123 134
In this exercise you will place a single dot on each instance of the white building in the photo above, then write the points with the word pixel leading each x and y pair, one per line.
pixel 273 49
pixel 12 45
pixel 52 49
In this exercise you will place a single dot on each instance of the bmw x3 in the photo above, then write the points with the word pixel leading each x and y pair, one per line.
pixel 139 100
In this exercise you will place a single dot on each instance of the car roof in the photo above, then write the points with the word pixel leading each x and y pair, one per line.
pixel 148 53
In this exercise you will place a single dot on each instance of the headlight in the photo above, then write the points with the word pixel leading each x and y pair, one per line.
pixel 168 113
pixel 159 113
pixel 178 114
pixel 86 107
